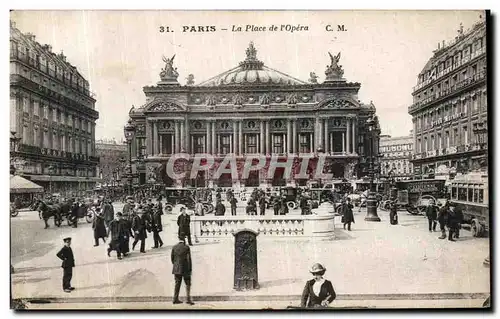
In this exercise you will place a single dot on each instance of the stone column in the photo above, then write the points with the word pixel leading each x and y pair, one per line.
pixel 262 146
pixel 343 143
pixel 231 144
pixel 294 136
pixel 172 144
pixel 155 138
pixel 208 138
pixel 214 145
pixel 354 137
pixel 268 136
pixel 240 137
pixel 316 134
pixel 219 144
pixel 188 143
pixel 348 134
pixel 182 141
pixel 161 143
pixel 327 140
pixel 245 144
pixel 289 136
pixel 235 135
pixel 311 142
pixel 148 138
pixel 177 137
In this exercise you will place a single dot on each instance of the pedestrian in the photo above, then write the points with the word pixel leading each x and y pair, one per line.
pixel 184 223
pixel 251 208
pixel 443 218
pixel 160 204
pixel 198 208
pixel 126 228
pixel 347 214
pixel 129 206
pixel 233 201
pixel 431 214
pixel 108 212
pixel 99 228
pixel 284 206
pixel 459 218
pixel 303 204
pixel 276 205
pixel 157 227
pixel 453 222
pixel 139 226
pixel 262 205
pixel 220 209
pixel 318 292
pixel 393 213
pixel 116 233
pixel 74 213
pixel 68 262
pixel 182 269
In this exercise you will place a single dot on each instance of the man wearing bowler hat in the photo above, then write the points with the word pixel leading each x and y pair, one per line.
pixel 68 262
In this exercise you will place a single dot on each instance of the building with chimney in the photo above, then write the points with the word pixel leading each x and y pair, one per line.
pixel 450 107
pixel 53 117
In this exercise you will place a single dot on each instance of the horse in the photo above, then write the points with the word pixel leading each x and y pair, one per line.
pixel 57 211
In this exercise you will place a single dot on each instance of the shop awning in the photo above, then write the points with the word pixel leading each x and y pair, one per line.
pixel 20 185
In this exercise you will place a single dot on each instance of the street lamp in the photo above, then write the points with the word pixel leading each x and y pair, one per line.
pixel 371 200
pixel 129 131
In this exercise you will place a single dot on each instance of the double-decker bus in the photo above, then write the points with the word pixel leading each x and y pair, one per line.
pixel 469 193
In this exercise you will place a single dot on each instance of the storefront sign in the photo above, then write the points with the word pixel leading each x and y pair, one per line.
pixel 423 188
pixel 446 119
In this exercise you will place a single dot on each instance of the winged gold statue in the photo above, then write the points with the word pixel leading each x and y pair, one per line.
pixel 334 60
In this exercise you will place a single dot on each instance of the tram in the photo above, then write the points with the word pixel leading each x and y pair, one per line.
pixel 469 193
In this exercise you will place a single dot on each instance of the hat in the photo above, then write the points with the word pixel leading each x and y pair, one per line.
pixel 67 239
pixel 119 214
pixel 317 268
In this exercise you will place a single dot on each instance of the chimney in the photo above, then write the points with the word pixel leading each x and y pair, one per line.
pixel 443 44
pixel 439 45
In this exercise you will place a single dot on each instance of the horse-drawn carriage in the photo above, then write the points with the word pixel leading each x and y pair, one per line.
pixel 63 210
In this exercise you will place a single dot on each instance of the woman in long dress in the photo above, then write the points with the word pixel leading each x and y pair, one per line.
pixel 318 291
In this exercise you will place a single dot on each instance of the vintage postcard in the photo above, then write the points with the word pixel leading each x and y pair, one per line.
pixel 249 159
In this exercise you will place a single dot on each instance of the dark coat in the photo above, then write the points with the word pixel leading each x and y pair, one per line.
pixel 126 228
pixel 443 215
pixel 108 212
pixel 99 227
pixel 220 209
pixel 183 221
pixel 127 208
pixel 156 222
pixel 347 214
pixel 310 300
pixel 233 202
pixel 181 259
pixel 431 212
pixel 116 230
pixel 139 225
pixel 453 219
pixel 66 255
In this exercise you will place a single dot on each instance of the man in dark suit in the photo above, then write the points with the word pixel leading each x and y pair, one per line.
pixel 182 268
pixel 347 214
pixel 233 201
pixel 157 227
pixel 220 209
pixel 68 262
pixel 431 214
pixel 139 226
pixel 117 233
pixel 262 205
pixel 184 223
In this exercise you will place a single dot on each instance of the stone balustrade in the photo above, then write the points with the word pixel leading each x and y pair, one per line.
pixel 213 228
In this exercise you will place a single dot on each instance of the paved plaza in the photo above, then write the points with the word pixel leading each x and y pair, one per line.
pixel 368 265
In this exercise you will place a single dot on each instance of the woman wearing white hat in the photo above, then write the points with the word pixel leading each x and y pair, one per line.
pixel 318 292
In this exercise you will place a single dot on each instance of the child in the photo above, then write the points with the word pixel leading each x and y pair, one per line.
pixel 68 262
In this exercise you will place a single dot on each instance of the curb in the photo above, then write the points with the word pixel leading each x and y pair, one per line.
pixel 221 298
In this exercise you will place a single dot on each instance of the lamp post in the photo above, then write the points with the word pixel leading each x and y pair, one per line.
pixel 129 131
pixel 371 201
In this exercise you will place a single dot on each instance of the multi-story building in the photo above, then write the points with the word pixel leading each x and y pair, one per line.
pixel 52 115
pixel 253 109
pixel 396 153
pixel 113 158
pixel 450 106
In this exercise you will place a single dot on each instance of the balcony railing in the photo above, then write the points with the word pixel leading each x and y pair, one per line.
pixel 50 71
pixel 458 86
pixel 444 72
pixel 451 150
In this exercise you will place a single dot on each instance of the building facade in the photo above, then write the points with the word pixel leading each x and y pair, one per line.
pixel 450 107
pixel 396 153
pixel 113 158
pixel 52 115
pixel 252 109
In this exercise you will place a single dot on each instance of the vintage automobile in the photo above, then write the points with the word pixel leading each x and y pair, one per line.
pixel 469 193
pixel 415 195
pixel 186 197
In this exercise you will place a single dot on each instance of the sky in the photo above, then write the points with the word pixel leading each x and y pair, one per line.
pixel 120 52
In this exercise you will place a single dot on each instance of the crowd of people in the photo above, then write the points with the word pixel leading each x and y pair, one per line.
pixel 449 218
